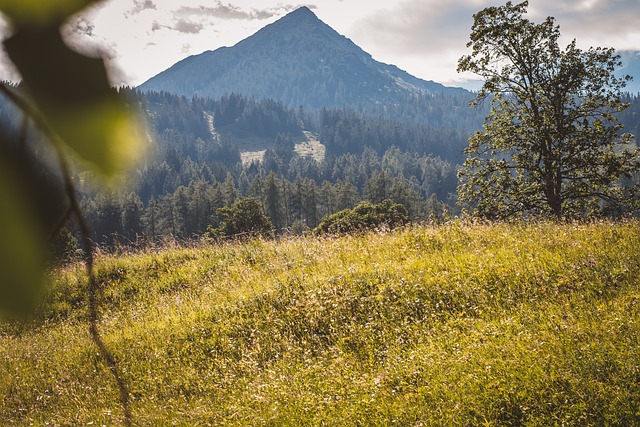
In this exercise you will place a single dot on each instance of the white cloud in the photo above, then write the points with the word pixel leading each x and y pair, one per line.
pixel 424 37
pixel 139 6
pixel 222 11
pixel 186 26
pixel 428 36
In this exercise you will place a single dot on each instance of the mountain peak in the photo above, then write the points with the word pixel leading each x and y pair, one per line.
pixel 298 18
pixel 301 11
pixel 299 60
pixel 298 30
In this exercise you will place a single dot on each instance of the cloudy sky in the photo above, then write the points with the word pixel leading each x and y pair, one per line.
pixel 424 37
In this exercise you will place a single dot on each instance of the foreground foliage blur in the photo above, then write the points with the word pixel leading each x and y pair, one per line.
pixel 462 324
pixel 68 98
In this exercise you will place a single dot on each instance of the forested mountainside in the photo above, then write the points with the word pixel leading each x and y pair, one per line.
pixel 313 163
pixel 196 167
pixel 235 121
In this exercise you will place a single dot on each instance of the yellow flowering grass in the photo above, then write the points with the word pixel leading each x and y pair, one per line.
pixel 455 325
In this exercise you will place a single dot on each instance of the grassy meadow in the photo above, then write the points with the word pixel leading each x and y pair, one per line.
pixel 456 325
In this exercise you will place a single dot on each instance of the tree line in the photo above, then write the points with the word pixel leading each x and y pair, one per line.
pixel 190 197
pixel 194 168
pixel 193 172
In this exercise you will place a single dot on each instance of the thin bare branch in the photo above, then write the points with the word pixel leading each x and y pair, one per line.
pixel 75 210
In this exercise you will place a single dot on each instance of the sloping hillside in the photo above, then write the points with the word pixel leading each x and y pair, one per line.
pixel 451 326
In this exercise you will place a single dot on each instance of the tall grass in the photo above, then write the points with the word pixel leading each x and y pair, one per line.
pixel 458 325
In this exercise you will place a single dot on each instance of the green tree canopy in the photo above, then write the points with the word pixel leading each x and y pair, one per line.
pixel 551 144
pixel 244 217
pixel 365 216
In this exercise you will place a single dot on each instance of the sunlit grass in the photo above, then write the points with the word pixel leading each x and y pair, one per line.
pixel 462 324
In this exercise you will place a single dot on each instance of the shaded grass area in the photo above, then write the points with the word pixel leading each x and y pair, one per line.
pixel 458 325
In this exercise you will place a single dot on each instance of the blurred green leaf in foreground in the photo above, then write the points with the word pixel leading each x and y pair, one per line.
pixel 69 97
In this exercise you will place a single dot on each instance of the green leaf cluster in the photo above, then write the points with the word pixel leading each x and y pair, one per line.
pixel 244 218
pixel 42 13
pixel 69 98
pixel 20 249
pixel 552 143
pixel 365 216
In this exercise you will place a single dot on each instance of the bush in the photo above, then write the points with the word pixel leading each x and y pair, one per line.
pixel 245 218
pixel 365 216
pixel 63 248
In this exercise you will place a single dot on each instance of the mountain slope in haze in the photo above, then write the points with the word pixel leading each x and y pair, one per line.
pixel 298 60
pixel 630 66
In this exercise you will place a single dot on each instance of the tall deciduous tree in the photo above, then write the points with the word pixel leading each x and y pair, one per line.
pixel 551 144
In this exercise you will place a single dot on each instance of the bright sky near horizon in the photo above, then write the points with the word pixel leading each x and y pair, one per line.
pixel 142 38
